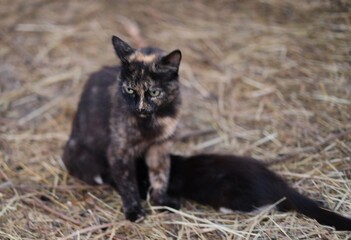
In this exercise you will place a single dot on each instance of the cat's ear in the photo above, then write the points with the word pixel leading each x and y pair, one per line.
pixel 123 50
pixel 171 60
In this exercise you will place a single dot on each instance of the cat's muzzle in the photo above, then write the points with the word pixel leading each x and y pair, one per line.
pixel 143 113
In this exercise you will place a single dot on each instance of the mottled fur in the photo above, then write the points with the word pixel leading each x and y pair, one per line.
pixel 126 112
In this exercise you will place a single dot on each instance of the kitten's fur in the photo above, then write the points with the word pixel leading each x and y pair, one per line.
pixel 237 183
pixel 126 112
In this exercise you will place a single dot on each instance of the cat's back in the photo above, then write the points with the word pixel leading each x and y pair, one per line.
pixel 231 168
pixel 96 97
pixel 101 79
pixel 92 117
pixel 240 180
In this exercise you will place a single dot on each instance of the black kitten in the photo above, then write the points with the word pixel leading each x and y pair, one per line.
pixel 237 183
pixel 126 112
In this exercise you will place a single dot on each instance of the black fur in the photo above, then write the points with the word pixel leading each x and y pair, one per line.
pixel 237 183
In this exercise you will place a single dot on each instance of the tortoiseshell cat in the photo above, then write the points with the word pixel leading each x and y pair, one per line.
pixel 126 112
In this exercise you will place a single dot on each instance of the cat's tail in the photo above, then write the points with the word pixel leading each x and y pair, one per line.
pixel 296 201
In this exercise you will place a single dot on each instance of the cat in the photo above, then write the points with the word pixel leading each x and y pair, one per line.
pixel 229 182
pixel 126 112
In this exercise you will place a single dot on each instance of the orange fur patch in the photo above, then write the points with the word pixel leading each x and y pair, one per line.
pixel 140 57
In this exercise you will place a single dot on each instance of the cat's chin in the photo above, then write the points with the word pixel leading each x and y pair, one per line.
pixel 143 116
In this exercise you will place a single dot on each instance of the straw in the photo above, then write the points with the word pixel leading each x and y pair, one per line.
pixel 268 79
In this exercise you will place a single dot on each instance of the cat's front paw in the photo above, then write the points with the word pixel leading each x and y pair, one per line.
pixel 134 213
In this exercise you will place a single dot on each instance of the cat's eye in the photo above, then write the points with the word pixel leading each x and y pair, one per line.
pixel 129 90
pixel 154 93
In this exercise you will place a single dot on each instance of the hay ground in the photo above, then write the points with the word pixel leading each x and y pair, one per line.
pixel 270 79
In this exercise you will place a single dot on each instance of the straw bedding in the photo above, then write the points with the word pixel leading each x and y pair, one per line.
pixel 270 79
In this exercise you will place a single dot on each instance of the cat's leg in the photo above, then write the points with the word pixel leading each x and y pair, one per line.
pixel 84 164
pixel 159 165
pixel 123 172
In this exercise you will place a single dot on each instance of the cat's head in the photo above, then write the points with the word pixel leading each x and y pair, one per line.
pixel 149 79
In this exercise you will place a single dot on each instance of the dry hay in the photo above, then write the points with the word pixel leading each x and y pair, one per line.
pixel 270 79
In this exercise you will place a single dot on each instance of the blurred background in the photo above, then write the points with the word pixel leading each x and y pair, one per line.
pixel 269 79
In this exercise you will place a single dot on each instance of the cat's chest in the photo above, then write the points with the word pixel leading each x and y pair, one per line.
pixel 168 125
pixel 157 130
pixel 134 131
